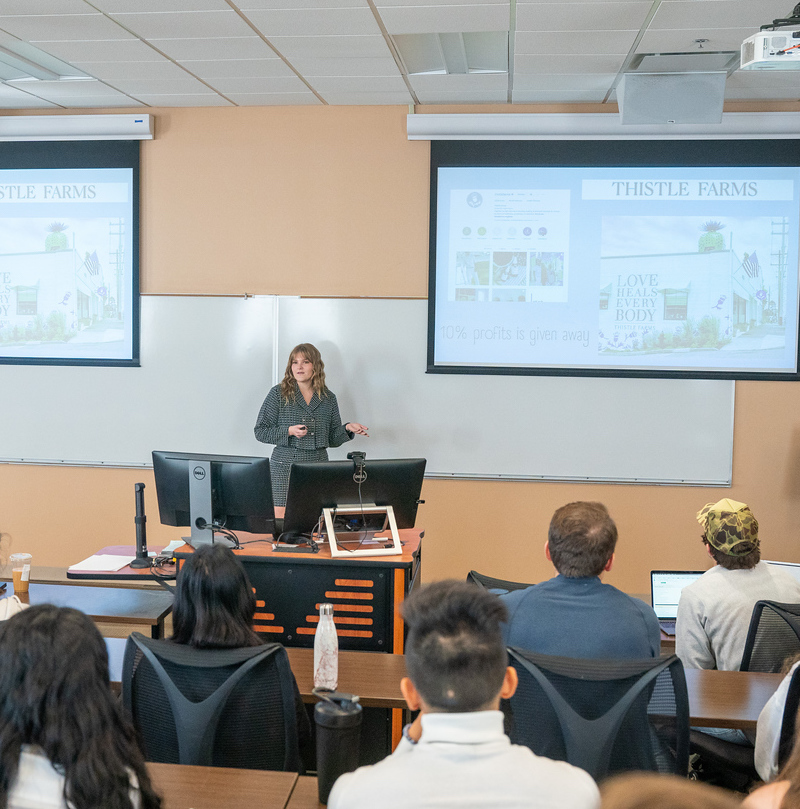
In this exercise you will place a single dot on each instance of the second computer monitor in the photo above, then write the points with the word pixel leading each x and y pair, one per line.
pixel 393 482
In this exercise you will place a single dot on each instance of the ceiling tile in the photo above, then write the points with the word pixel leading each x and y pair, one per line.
pixel 179 100
pixel 99 102
pixel 314 22
pixel 582 16
pixel 381 4
pixel 557 97
pixel 601 42
pixel 285 84
pixel 468 82
pixel 445 19
pixel 126 50
pixel 680 41
pixel 463 97
pixel 249 5
pixel 563 63
pixel 277 99
pixel 45 7
pixel 249 47
pixel 122 6
pixel 238 68
pixel 185 86
pixel 764 79
pixel 713 13
pixel 56 90
pixel 357 84
pixel 565 81
pixel 362 99
pixel 327 46
pixel 767 94
pixel 12 98
pixel 112 71
pixel 61 27
pixel 346 67
pixel 180 24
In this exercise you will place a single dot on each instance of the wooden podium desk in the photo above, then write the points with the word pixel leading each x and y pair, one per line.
pixel 365 591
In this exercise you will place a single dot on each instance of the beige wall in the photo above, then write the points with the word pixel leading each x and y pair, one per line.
pixel 303 201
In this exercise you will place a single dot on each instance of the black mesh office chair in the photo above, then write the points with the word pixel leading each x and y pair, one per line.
pixel 215 707
pixel 499 586
pixel 774 635
pixel 602 715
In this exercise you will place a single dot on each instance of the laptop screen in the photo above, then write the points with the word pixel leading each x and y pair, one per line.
pixel 665 588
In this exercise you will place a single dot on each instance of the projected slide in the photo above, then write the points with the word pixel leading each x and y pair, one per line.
pixel 66 265
pixel 679 269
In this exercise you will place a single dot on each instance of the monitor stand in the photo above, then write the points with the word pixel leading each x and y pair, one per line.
pixel 200 510
pixel 329 515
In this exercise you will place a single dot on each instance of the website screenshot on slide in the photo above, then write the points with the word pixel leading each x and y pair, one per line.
pixel 618 268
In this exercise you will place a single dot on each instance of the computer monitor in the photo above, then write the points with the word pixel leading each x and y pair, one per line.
pixel 393 482
pixel 207 492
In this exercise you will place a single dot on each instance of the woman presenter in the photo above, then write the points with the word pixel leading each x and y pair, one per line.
pixel 301 417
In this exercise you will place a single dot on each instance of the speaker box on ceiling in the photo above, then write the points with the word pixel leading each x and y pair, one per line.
pixel 671 98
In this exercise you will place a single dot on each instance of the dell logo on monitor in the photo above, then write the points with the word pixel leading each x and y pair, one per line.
pixel 199 473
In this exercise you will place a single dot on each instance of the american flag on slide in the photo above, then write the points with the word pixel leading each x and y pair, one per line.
pixel 751 265
pixel 92 263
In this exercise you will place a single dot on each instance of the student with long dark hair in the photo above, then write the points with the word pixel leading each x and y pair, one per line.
pixel 214 601
pixel 65 742
pixel 214 609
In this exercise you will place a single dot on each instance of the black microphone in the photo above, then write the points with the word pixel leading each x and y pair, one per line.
pixel 142 559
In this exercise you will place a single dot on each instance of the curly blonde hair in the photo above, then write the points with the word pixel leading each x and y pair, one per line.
pixel 289 385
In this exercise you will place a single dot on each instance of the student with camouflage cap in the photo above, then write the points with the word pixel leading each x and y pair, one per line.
pixel 714 612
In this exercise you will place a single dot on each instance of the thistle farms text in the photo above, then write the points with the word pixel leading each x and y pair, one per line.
pixel 683 188
pixel 636 298
pixel 38 193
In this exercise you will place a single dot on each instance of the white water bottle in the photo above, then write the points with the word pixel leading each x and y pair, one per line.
pixel 326 650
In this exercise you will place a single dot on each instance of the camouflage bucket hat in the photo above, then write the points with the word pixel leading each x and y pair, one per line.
pixel 728 523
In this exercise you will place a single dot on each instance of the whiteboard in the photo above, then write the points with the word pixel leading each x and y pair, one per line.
pixel 564 428
pixel 207 364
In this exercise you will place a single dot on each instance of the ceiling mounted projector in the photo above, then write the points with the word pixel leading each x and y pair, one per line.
pixel 775 46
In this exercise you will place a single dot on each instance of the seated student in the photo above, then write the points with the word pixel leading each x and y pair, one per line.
pixel 770 722
pixel 214 609
pixel 714 612
pixel 575 614
pixel 65 742
pixel 783 793
pixel 455 753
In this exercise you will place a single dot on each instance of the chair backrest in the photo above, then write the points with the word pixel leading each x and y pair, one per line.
pixel 499 586
pixel 789 718
pixel 213 707
pixel 774 635
pixel 602 715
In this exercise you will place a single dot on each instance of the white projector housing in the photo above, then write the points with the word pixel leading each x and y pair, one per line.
pixel 768 50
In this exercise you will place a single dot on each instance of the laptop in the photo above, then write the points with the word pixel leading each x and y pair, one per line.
pixel 665 592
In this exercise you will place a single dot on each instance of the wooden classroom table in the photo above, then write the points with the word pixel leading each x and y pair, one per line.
pixel 304 794
pixel 728 699
pixel 722 699
pixel 373 677
pixel 109 605
pixel 184 786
